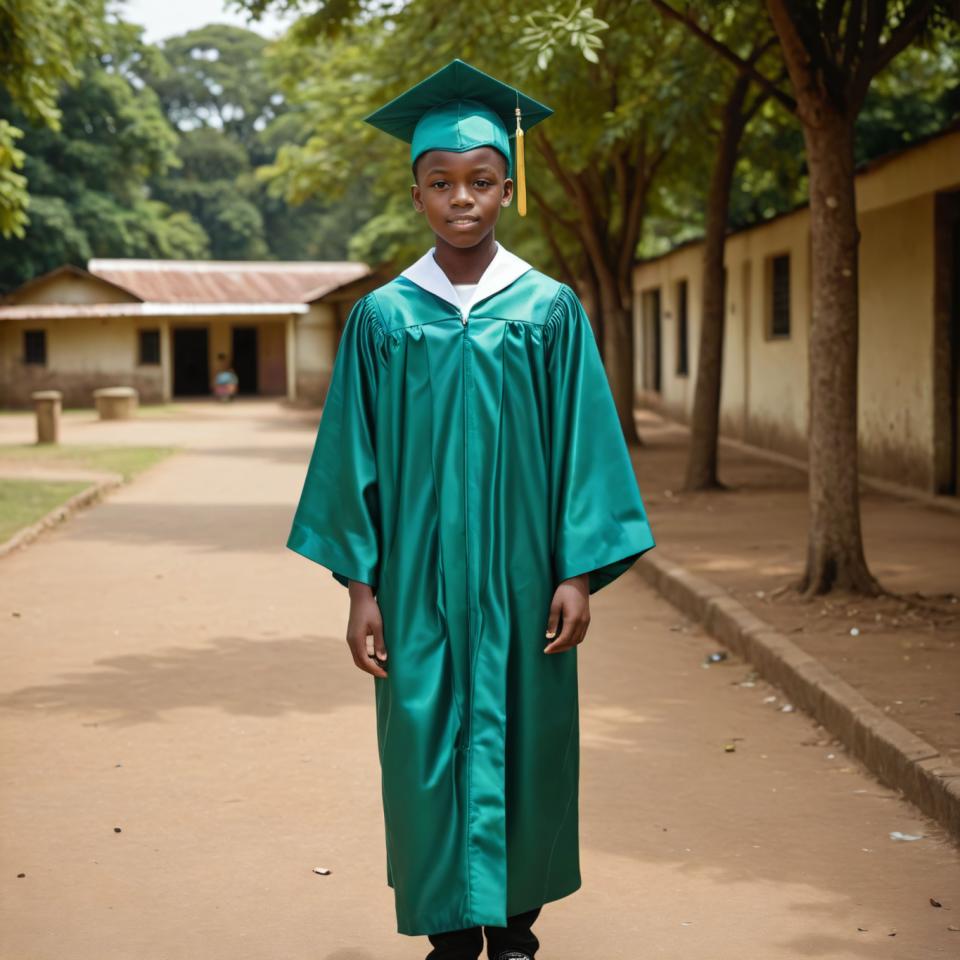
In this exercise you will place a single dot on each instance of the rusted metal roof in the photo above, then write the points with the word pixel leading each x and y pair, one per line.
pixel 226 281
pixel 50 311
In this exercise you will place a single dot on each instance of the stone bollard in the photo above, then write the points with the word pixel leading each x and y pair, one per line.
pixel 115 403
pixel 47 404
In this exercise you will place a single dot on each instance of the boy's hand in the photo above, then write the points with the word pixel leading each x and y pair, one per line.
pixel 571 600
pixel 364 620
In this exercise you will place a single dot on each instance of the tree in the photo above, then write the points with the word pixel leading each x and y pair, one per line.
pixel 833 50
pixel 89 178
pixel 735 112
pixel 216 88
pixel 41 44
pixel 215 77
pixel 624 100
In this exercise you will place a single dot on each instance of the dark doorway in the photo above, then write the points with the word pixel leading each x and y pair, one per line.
pixel 955 354
pixel 946 355
pixel 652 340
pixel 191 361
pixel 245 358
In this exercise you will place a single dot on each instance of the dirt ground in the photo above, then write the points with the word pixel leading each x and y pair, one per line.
pixel 902 652
pixel 183 739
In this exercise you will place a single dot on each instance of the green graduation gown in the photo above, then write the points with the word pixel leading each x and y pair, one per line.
pixel 468 459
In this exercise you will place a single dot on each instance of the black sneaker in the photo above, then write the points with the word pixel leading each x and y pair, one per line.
pixel 514 955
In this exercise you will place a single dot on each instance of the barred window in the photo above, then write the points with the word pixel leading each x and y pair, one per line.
pixel 35 347
pixel 149 347
pixel 683 337
pixel 780 296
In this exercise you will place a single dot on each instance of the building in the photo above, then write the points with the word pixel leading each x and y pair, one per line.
pixel 162 325
pixel 909 362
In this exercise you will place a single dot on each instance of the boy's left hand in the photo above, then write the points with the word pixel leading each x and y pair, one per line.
pixel 571 601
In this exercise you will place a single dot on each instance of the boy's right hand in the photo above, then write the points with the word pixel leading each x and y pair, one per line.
pixel 365 620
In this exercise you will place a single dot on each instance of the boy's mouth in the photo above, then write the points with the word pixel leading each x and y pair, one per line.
pixel 463 219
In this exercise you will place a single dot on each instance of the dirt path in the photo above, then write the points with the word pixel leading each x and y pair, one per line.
pixel 168 668
pixel 901 652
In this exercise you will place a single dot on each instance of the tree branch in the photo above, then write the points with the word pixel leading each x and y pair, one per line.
pixel 902 36
pixel 851 42
pixel 550 155
pixel 551 214
pixel 797 58
pixel 724 51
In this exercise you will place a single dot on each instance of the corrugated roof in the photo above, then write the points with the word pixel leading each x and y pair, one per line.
pixel 50 311
pixel 226 281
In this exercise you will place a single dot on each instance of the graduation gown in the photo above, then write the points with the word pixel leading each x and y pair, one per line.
pixel 468 460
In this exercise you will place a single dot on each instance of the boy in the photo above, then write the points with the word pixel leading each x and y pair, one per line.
pixel 470 485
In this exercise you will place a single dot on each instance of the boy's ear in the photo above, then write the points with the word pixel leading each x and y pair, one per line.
pixel 507 192
pixel 417 198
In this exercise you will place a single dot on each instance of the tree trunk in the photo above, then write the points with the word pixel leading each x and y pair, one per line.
pixel 705 423
pixel 618 357
pixel 835 556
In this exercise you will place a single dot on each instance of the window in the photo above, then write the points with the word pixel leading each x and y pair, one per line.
pixel 35 347
pixel 683 350
pixel 780 296
pixel 149 347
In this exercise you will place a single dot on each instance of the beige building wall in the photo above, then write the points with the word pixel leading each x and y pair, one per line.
pixel 70 288
pixel 765 377
pixel 82 354
pixel 317 336
pixel 896 341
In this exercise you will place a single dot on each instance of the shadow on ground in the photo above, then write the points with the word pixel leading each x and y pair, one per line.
pixel 250 527
pixel 258 678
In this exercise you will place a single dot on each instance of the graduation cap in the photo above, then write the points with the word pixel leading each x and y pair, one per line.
pixel 460 108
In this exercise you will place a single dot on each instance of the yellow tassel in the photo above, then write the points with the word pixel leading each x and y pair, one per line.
pixel 521 173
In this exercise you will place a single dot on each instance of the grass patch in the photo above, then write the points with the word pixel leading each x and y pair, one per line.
pixel 23 502
pixel 159 409
pixel 127 461
pixel 143 410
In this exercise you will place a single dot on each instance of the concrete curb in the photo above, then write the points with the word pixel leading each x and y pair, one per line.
pixel 900 759
pixel 77 502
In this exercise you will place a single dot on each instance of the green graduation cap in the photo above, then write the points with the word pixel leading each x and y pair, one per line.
pixel 460 108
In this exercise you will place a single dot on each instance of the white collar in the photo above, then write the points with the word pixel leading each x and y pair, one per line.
pixel 503 269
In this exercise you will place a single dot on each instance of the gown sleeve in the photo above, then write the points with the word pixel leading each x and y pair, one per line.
pixel 337 521
pixel 600 524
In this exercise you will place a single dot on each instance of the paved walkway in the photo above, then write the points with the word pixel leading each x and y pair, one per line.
pixel 169 669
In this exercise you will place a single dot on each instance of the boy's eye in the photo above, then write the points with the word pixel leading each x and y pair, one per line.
pixel 439 183
pixel 481 183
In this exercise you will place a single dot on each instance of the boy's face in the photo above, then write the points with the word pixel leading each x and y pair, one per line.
pixel 461 193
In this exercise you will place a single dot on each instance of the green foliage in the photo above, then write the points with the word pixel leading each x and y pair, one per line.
pixel 214 78
pixel 41 44
pixel 216 88
pixel 917 95
pixel 13 185
pixel 88 179
pixel 544 30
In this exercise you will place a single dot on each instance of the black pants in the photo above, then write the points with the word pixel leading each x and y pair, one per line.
pixel 467 944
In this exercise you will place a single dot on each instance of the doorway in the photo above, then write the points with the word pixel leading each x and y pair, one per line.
pixel 946 357
pixel 954 322
pixel 244 356
pixel 191 361
pixel 652 337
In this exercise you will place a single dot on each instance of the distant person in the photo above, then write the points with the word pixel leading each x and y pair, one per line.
pixel 470 485
pixel 226 381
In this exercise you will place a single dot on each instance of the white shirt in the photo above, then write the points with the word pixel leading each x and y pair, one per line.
pixel 502 271
pixel 464 292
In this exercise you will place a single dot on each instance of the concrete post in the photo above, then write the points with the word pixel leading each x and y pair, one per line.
pixel 291 357
pixel 47 404
pixel 115 403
